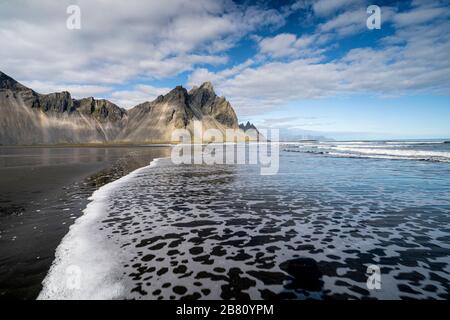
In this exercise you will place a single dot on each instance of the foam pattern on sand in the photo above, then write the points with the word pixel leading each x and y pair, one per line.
pixel 86 265
pixel 225 232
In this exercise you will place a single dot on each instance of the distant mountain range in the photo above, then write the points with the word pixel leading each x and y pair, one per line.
pixel 252 131
pixel 30 118
pixel 301 135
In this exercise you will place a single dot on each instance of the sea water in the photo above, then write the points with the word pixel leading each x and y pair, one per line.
pixel 227 232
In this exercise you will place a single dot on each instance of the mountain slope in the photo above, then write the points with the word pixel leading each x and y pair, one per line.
pixel 155 121
pixel 32 118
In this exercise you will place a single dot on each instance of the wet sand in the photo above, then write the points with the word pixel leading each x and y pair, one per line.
pixel 42 191
pixel 227 232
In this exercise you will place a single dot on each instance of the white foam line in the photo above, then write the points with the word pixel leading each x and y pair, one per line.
pixel 388 157
pixel 86 266
pixel 389 152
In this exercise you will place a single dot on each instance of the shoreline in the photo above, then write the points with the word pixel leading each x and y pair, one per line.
pixel 96 145
pixel 34 221
pixel 67 252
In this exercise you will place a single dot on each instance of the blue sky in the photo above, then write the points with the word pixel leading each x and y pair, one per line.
pixel 308 67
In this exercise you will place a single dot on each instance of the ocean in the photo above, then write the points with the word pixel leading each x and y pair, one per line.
pixel 340 220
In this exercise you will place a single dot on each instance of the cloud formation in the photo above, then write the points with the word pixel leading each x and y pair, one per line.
pixel 137 95
pixel 325 8
pixel 121 40
pixel 414 59
pixel 124 43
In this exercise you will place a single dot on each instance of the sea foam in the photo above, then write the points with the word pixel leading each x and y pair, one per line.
pixel 397 150
pixel 226 232
pixel 86 265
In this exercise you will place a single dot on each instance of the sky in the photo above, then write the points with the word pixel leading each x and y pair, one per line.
pixel 306 67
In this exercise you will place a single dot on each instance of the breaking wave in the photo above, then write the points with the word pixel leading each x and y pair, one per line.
pixel 86 266
pixel 438 151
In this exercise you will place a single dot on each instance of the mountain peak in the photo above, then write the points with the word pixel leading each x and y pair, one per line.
pixel 177 95
pixel 207 86
pixel 177 90
pixel 247 126
pixel 92 120
pixel 6 82
pixel 250 129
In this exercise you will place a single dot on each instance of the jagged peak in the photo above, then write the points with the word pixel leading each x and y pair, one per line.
pixel 247 126
pixel 148 121
pixel 177 90
pixel 6 82
pixel 61 94
pixel 207 86
pixel 178 95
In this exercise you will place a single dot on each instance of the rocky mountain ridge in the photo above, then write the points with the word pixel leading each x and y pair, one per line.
pixel 250 130
pixel 30 118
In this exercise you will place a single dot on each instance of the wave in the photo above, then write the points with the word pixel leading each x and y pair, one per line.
pixel 218 230
pixel 389 142
pixel 376 150
pixel 396 152
pixel 388 157
pixel 81 270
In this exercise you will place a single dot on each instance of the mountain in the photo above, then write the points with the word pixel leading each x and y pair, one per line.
pixel 247 126
pixel 155 121
pixel 296 134
pixel 251 130
pixel 28 117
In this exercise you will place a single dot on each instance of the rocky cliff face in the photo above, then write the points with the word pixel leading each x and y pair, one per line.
pixel 251 131
pixel 32 118
pixel 204 99
pixel 155 121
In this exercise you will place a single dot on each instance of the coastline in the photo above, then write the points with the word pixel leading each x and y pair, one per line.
pixel 97 280
pixel 90 145
pixel 39 203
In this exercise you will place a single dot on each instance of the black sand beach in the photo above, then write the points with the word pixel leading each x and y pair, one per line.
pixel 42 191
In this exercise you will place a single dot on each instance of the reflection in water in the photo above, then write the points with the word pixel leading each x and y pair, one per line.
pixel 51 156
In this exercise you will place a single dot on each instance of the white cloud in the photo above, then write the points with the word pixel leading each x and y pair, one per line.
pixel 120 40
pixel 353 21
pixel 413 60
pixel 288 45
pixel 175 65
pixel 76 91
pixel 347 23
pixel 325 8
pixel 202 75
pixel 420 15
pixel 139 94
